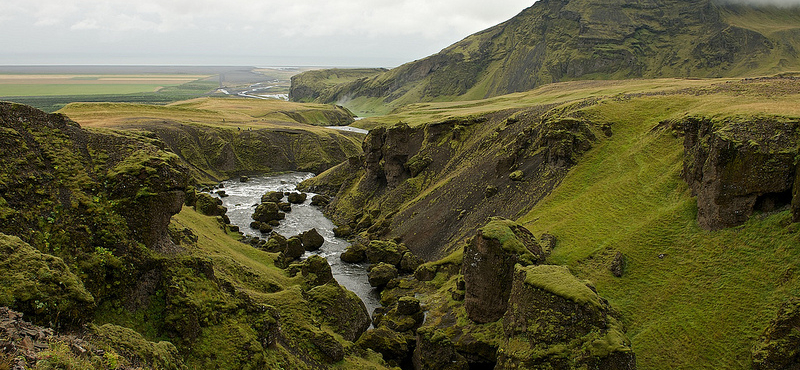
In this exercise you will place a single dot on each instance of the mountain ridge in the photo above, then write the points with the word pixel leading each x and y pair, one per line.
pixel 557 40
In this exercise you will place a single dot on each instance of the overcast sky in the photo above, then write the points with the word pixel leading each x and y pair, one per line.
pixel 383 33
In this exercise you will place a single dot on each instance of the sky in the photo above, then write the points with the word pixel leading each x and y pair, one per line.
pixel 261 33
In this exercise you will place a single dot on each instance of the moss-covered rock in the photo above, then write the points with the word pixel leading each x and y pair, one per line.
pixel 355 253
pixel 737 165
pixel 272 196
pixel 268 211
pixel 41 285
pixel 391 344
pixel 554 319
pixel 488 267
pixel 312 240
pixel 209 205
pixel 517 175
pixel 434 350
pixel 141 352
pixel 409 263
pixel 340 309
pixel 297 198
pixel 342 231
pixel 320 200
pixel 384 251
pixel 381 273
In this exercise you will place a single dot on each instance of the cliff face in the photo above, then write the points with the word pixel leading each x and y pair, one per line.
pixel 431 185
pixel 85 197
pixel 560 40
pixel 739 165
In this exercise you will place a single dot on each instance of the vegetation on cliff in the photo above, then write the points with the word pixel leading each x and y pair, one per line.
pixel 625 196
pixel 218 138
pixel 560 40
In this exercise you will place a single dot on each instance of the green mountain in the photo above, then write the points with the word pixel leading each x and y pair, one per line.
pixel 563 40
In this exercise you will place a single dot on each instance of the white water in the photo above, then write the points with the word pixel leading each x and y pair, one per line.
pixel 242 199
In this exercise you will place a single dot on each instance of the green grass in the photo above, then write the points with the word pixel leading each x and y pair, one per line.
pixel 52 97
pixel 710 294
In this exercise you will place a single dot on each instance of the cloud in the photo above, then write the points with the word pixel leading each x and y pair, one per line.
pixel 248 27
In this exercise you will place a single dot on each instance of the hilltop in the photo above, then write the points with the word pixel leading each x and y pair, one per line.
pixel 564 40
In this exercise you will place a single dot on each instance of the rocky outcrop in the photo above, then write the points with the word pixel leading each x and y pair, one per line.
pixel 556 320
pixel 435 351
pixel 394 190
pixel 41 285
pixel 739 165
pixel 488 267
pixel 779 345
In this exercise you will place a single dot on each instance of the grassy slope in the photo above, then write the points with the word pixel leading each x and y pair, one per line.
pixel 228 112
pixel 222 344
pixel 214 134
pixel 704 303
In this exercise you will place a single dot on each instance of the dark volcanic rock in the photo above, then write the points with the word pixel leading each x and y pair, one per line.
pixel 343 311
pixel 618 265
pixel 312 240
pixel 435 351
pixel 268 211
pixel 391 344
pixel 384 251
pixel 272 196
pixel 381 274
pixel 488 267
pixel 779 345
pixel 297 198
pixel 355 253
pixel 738 165
pixel 563 322
pixel 320 200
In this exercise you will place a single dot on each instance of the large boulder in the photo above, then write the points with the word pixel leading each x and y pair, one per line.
pixel 380 274
pixel 297 198
pixel 555 320
pixel 133 346
pixel 272 196
pixel 391 344
pixel 488 267
pixel 435 351
pixel 355 253
pixel 312 240
pixel 268 211
pixel 344 312
pixel 209 205
pixel 385 251
pixel 779 345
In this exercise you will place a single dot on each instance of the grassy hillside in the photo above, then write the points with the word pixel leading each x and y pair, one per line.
pixel 558 40
pixel 690 298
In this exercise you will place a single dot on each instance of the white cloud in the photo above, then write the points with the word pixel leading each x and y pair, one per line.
pixel 257 27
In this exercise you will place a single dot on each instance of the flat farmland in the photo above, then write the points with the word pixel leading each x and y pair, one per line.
pixel 19 85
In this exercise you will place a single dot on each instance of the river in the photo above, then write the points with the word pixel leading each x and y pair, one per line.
pixel 242 199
